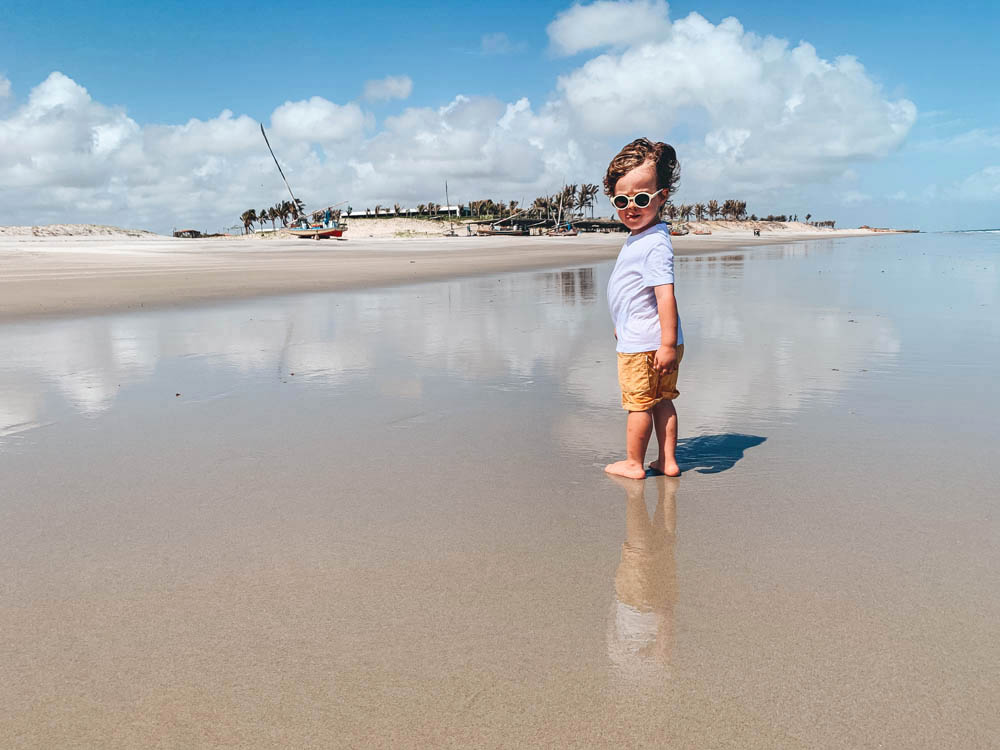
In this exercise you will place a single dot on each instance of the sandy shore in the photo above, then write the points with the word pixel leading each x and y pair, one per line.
pixel 60 270
pixel 380 520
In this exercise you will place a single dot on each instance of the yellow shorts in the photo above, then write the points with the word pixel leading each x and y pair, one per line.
pixel 642 386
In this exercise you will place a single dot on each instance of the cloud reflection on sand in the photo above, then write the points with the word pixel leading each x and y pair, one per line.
pixel 550 332
pixel 84 360
pixel 472 329
pixel 752 351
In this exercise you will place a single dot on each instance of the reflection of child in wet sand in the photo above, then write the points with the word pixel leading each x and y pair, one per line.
pixel 641 297
pixel 645 585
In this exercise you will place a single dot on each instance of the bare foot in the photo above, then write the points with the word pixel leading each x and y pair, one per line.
pixel 670 470
pixel 626 468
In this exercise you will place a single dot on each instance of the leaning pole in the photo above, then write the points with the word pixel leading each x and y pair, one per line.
pixel 294 200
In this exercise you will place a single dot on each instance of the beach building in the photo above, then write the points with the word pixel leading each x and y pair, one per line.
pixel 369 213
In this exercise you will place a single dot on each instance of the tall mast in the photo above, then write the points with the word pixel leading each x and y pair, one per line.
pixel 294 200
pixel 447 207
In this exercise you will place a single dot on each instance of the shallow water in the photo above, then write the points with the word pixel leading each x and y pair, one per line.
pixel 380 517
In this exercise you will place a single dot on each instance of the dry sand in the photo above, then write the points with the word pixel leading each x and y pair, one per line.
pixel 64 269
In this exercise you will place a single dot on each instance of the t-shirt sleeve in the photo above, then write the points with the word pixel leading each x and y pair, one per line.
pixel 658 263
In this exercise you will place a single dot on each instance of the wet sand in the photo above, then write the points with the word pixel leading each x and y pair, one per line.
pixel 61 275
pixel 377 518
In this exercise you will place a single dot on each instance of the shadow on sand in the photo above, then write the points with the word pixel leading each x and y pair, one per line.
pixel 710 454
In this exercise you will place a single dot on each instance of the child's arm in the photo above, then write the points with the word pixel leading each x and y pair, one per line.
pixel 665 358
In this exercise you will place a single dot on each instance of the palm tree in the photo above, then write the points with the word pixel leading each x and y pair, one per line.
pixel 584 197
pixel 395 207
pixel 568 198
pixel 285 207
pixel 378 209
pixel 421 209
pixel 539 207
pixel 248 218
pixel 671 211
pixel 808 216
pixel 713 209
pixel 699 211
pixel 272 214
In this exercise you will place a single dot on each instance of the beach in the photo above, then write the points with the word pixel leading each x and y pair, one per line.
pixel 86 269
pixel 321 496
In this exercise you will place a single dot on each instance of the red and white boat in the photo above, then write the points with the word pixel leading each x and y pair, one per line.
pixel 319 232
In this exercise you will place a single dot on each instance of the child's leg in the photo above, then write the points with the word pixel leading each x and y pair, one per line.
pixel 665 422
pixel 638 429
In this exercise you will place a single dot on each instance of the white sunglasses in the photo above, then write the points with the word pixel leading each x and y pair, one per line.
pixel 641 200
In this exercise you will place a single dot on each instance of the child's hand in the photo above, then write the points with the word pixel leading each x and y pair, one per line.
pixel 665 359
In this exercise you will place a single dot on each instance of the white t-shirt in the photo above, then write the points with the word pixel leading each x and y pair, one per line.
pixel 646 260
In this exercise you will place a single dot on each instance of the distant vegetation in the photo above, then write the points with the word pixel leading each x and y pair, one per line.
pixel 573 201
pixel 282 211
pixel 730 210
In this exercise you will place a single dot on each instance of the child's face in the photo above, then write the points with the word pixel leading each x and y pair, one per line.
pixel 642 179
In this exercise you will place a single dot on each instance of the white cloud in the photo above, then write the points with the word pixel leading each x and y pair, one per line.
pixel 760 118
pixel 4 87
pixel 608 23
pixel 390 87
pixel 62 140
pixel 481 145
pixel 770 114
pixel 318 120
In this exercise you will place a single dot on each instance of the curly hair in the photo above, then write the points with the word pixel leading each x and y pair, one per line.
pixel 642 151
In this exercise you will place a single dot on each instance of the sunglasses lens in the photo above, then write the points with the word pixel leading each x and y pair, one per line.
pixel 620 201
pixel 642 200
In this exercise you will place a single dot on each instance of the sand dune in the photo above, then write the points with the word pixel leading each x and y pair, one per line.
pixel 74 230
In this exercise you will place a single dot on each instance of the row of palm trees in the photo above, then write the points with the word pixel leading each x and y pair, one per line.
pixel 281 211
pixel 729 209
pixel 732 210
pixel 571 201
pixel 568 203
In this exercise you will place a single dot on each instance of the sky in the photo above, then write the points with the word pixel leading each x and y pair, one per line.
pixel 865 113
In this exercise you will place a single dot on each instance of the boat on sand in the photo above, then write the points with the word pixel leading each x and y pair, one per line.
pixel 495 231
pixel 318 232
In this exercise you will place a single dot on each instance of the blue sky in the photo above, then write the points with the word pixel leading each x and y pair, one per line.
pixel 163 67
